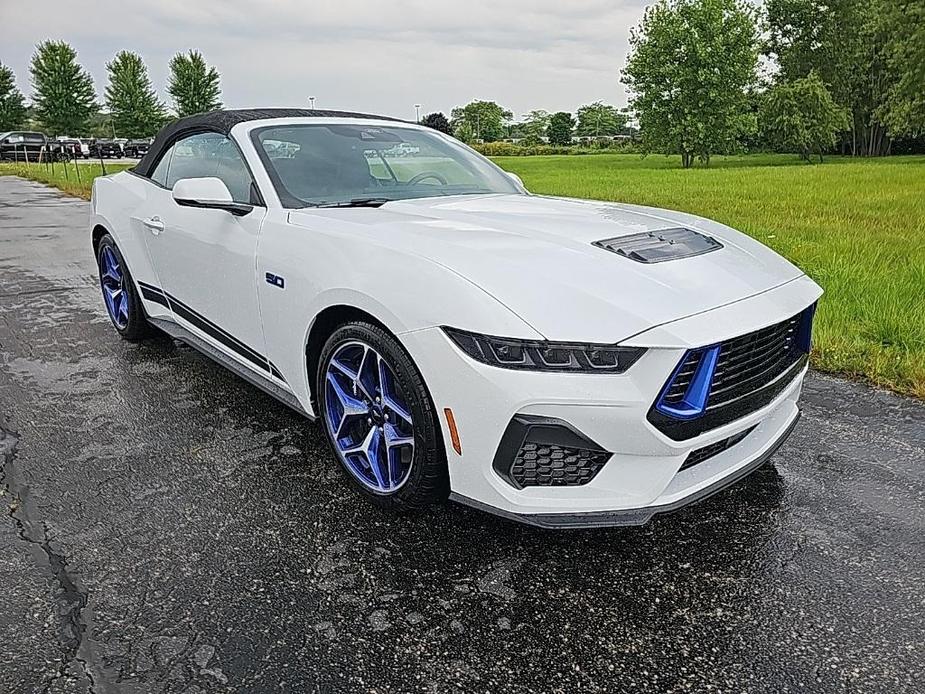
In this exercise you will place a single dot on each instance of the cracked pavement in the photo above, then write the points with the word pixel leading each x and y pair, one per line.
pixel 169 528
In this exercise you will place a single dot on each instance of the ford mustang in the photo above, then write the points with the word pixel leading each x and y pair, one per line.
pixel 565 363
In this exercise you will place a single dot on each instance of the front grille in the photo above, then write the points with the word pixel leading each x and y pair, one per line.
pixel 714 385
pixel 749 362
pixel 744 364
pixel 541 465
pixel 678 387
pixel 698 455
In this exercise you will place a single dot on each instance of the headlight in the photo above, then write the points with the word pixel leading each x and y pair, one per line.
pixel 571 357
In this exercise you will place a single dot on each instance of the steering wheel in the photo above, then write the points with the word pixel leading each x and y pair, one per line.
pixel 424 175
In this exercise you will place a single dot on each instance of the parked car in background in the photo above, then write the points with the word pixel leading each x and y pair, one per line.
pixel 136 148
pixel 84 147
pixel 402 150
pixel 105 148
pixel 52 150
pixel 67 148
pixel 22 145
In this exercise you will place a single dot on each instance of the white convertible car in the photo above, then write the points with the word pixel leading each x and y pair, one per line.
pixel 566 363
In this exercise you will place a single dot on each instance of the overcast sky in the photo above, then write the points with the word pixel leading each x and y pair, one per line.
pixel 361 55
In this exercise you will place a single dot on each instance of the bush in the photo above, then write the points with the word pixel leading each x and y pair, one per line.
pixel 498 149
pixel 511 149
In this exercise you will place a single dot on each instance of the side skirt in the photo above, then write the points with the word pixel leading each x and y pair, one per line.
pixel 178 332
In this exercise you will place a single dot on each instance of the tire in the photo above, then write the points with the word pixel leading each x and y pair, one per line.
pixel 426 480
pixel 134 326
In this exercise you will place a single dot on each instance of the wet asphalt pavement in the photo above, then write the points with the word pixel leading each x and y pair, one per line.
pixel 172 529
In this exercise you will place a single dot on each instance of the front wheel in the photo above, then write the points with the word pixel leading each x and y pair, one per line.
pixel 379 418
pixel 119 294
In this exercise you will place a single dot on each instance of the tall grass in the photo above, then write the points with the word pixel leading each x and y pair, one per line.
pixel 856 226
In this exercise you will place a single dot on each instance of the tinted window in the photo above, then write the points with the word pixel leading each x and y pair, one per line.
pixel 160 171
pixel 331 164
pixel 205 154
pixel 210 154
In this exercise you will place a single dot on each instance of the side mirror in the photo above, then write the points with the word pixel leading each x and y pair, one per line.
pixel 209 193
pixel 514 177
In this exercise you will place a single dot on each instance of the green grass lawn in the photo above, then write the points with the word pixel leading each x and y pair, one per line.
pixel 856 226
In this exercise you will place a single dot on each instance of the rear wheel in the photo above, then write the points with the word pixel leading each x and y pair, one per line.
pixel 119 294
pixel 379 418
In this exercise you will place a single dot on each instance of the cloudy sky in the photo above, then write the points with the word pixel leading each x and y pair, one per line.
pixel 360 55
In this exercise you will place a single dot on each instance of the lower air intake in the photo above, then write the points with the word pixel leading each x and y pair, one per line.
pixel 538 465
pixel 547 452
pixel 701 454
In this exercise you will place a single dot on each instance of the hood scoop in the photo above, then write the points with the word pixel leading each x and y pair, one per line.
pixel 662 245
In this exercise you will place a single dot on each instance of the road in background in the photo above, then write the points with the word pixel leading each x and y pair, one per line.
pixel 172 529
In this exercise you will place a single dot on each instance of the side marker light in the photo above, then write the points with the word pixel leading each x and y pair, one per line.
pixel 454 434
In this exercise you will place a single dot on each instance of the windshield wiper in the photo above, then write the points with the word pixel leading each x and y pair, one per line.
pixel 356 202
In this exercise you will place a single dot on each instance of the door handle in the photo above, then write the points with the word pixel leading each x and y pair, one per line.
pixel 154 224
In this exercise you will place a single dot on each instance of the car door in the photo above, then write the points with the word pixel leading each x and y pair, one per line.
pixel 205 259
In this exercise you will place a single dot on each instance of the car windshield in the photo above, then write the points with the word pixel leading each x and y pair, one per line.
pixel 344 165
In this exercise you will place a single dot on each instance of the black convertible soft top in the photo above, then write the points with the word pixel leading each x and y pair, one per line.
pixel 223 121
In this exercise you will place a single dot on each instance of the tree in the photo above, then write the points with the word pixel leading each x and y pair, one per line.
pixel 690 66
pixel 133 105
pixel 479 120
pixel 801 116
pixel 464 132
pixel 560 128
pixel 903 110
pixel 533 128
pixel 63 95
pixel 600 120
pixel 193 84
pixel 12 106
pixel 100 125
pixel 844 42
pixel 437 121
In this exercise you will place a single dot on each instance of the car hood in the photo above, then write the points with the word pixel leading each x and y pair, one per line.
pixel 536 256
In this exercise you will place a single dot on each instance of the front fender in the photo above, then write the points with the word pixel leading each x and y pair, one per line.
pixel 404 291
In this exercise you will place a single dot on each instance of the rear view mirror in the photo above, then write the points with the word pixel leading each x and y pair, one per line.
pixel 208 193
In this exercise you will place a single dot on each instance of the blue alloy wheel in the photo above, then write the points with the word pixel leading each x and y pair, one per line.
pixel 368 417
pixel 112 280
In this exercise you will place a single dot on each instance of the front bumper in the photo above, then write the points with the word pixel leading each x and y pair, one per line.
pixel 645 474
pixel 635 516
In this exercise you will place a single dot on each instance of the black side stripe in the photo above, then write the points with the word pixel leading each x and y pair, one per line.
pixel 158 295
pixel 153 294
pixel 216 332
